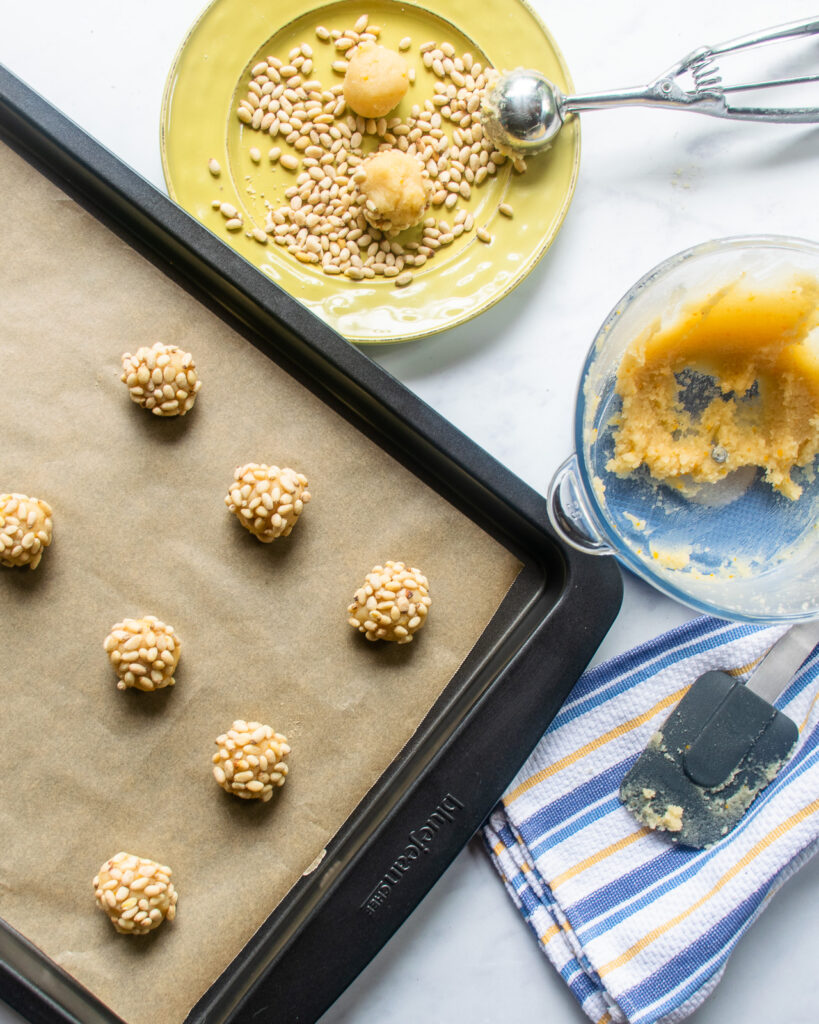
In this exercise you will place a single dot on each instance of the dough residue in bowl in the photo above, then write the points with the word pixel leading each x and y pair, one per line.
pixel 733 382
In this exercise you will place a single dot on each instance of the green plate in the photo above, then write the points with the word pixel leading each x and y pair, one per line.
pixel 199 123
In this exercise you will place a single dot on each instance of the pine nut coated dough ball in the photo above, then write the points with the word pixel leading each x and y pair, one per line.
pixel 162 378
pixel 267 500
pixel 394 190
pixel 250 761
pixel 25 530
pixel 137 894
pixel 376 80
pixel 391 604
pixel 144 653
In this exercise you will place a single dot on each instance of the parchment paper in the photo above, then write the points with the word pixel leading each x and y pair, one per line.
pixel 140 527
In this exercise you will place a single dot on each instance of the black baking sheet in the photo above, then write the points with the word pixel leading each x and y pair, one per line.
pixel 438 790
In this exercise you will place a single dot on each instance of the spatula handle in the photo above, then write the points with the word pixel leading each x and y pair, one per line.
pixel 779 665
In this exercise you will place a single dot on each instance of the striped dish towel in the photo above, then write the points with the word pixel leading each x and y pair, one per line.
pixel 641 929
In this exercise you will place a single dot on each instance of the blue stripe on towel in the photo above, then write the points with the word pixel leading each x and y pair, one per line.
pixel 634 667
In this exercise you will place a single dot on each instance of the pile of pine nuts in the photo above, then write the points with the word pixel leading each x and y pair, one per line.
pixel 322 145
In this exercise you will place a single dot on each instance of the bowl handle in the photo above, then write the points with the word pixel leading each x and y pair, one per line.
pixel 569 511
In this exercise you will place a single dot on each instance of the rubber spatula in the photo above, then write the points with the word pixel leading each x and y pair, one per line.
pixel 722 744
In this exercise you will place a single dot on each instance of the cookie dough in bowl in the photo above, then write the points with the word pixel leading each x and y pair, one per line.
pixel 697 431
pixel 732 384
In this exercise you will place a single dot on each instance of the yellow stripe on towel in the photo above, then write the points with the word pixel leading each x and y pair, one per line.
pixel 618 730
pixel 584 865
pixel 754 852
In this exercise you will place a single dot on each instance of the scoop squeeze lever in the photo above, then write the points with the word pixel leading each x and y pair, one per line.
pixel 722 744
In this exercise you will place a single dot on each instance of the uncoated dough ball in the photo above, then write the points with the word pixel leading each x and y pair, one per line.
pixel 392 603
pixel 376 80
pixel 161 378
pixel 137 894
pixel 267 500
pixel 25 530
pixel 394 190
pixel 144 653
pixel 250 762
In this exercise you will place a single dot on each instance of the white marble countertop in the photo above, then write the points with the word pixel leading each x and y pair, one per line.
pixel 651 183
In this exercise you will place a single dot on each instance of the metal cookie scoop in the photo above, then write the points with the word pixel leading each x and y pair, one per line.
pixel 523 111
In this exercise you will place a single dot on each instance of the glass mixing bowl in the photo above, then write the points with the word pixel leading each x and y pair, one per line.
pixel 737 547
